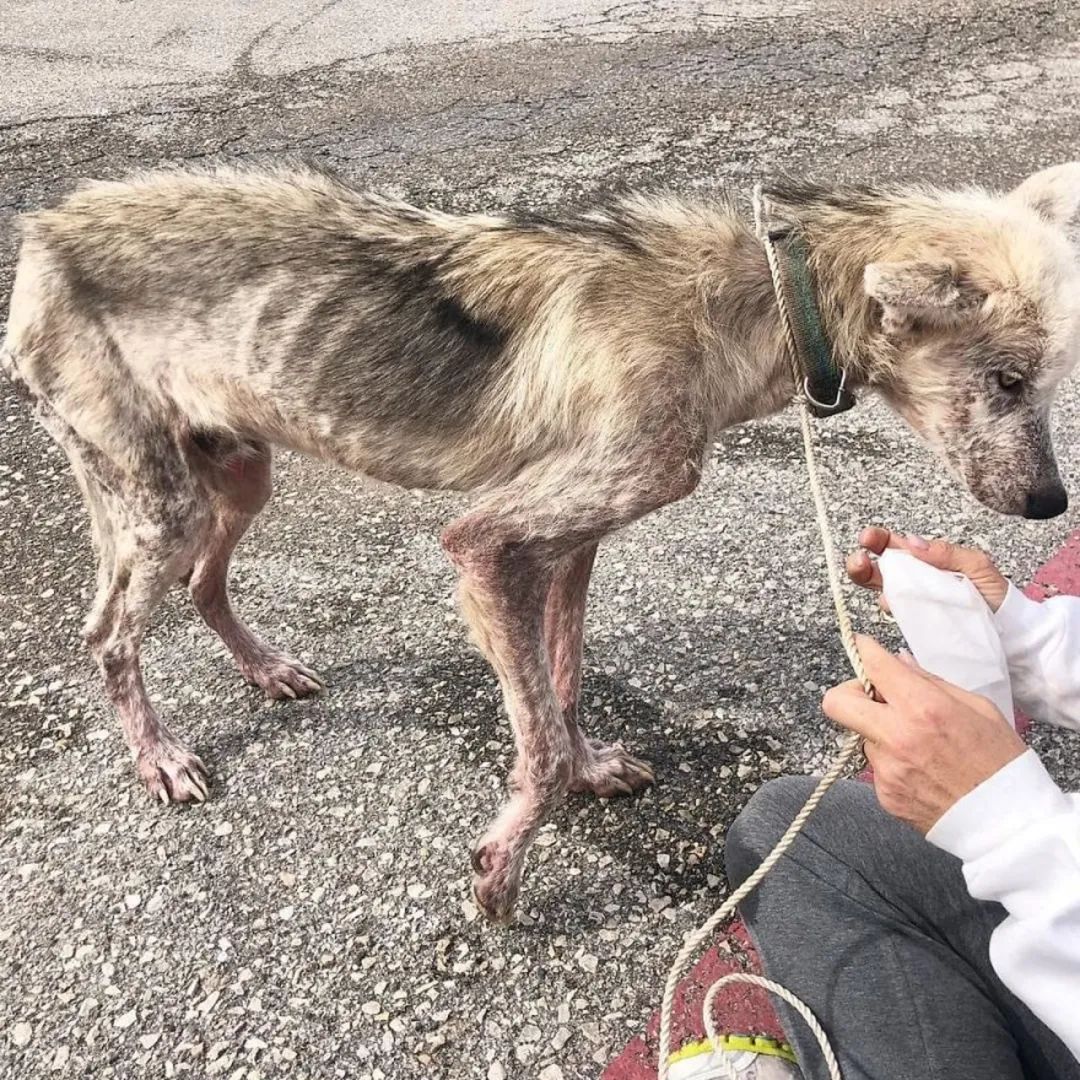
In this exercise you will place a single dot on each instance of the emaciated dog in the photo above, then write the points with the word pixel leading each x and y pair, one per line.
pixel 172 329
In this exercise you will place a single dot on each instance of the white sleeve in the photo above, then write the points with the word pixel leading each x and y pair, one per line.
pixel 1018 836
pixel 1042 647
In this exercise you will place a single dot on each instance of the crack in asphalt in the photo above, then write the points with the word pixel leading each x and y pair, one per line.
pixel 740 63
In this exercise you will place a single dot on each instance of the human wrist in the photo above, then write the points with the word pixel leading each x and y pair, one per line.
pixel 1018 794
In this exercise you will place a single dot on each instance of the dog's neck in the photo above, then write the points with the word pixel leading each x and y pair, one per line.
pixel 753 370
pixel 839 251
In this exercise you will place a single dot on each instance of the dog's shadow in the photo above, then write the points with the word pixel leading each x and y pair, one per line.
pixel 627 829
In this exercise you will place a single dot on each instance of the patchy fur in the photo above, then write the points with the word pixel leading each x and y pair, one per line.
pixel 172 329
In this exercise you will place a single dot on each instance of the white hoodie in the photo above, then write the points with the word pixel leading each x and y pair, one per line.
pixel 1018 833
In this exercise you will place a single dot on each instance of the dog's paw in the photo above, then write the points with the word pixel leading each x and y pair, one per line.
pixel 172 773
pixel 609 769
pixel 496 881
pixel 280 676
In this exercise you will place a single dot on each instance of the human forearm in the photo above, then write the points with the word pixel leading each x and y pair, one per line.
pixel 1018 836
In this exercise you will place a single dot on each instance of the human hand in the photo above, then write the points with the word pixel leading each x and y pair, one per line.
pixel 975 565
pixel 929 742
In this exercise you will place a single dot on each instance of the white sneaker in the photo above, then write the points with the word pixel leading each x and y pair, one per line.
pixel 737 1057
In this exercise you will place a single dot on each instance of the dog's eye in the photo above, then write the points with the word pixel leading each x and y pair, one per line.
pixel 1010 381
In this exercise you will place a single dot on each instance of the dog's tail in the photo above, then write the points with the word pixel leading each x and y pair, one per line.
pixel 10 368
pixel 7 361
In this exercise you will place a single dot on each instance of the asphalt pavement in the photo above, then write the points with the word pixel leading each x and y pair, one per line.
pixel 312 919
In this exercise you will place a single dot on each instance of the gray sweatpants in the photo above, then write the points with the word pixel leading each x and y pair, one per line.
pixel 874 929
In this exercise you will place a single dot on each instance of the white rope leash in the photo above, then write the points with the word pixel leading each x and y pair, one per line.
pixel 781 992
pixel 851 747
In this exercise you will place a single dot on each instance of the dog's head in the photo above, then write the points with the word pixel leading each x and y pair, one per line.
pixel 974 322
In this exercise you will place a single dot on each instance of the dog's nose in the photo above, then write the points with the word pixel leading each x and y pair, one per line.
pixel 1046 503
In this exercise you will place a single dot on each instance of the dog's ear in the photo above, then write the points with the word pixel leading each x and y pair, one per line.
pixel 915 294
pixel 1054 193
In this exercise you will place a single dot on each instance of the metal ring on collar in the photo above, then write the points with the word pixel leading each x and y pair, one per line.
pixel 839 392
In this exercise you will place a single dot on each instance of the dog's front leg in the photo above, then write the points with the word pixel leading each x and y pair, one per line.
pixel 509 550
pixel 604 769
pixel 502 596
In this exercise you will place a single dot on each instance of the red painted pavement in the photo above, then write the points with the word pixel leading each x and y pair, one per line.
pixel 1061 574
pixel 746 1009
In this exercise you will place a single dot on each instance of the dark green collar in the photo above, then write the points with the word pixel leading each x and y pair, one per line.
pixel 824 382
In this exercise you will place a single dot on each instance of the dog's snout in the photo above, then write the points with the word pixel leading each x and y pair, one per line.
pixel 1046 502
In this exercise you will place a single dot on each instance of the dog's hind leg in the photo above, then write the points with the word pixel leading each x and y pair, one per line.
pixel 508 551
pixel 605 769
pixel 85 463
pixel 154 524
pixel 146 512
pixel 239 480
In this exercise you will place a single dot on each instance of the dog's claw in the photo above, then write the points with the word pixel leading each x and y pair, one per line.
pixel 200 786
pixel 477 860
